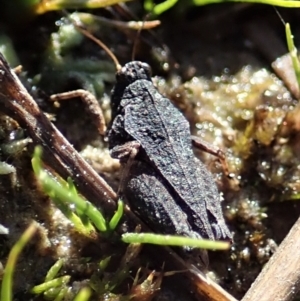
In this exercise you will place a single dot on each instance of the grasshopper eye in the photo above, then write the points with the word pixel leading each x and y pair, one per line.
pixel 146 70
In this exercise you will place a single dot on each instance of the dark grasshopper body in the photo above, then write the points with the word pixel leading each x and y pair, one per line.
pixel 153 200
pixel 142 114
pixel 150 195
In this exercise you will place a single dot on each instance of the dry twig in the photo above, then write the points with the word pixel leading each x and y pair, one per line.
pixel 59 153
pixel 280 278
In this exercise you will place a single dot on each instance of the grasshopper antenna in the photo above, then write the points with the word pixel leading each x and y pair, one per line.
pixel 279 15
pixel 86 33
pixel 137 36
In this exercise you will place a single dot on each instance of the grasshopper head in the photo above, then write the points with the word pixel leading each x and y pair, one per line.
pixel 134 71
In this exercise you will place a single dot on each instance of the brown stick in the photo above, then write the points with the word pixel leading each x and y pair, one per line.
pixel 280 278
pixel 205 288
pixel 58 152
pixel 61 156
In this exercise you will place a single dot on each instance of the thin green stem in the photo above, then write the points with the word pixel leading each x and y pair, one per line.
pixel 6 288
pixel 67 196
pixel 83 295
pixel 54 270
pixel 174 240
pixel 283 3
pixel 57 282
pixel 293 51
pixel 117 216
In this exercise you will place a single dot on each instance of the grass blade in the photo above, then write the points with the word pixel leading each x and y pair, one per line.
pixel 293 51
pixel 173 240
pixel 6 288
